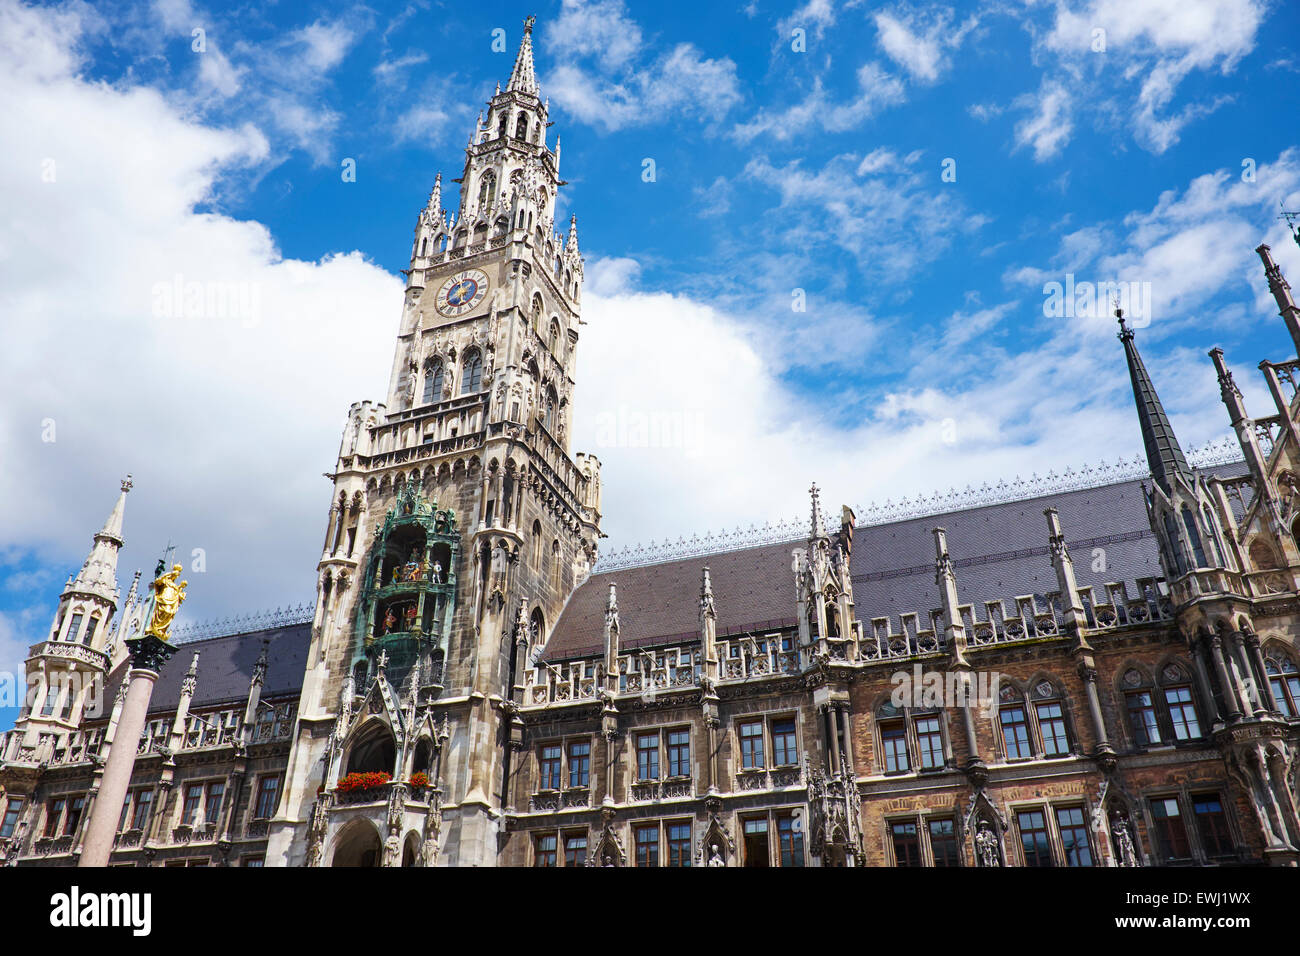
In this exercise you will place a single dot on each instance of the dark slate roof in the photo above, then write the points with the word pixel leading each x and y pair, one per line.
pixel 1000 551
pixel 226 668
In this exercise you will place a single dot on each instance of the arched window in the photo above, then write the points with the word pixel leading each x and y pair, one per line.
pixel 1175 544
pixel 555 339
pixel 1161 714
pixel 1212 533
pixel 471 379
pixel 502 123
pixel 433 383
pixel 537 312
pixel 1193 537
pixel 521 126
pixel 91 628
pixel 424 246
pixel 374 752
pixel 536 627
pixel 1050 716
pixel 549 419
pixel 1261 555
pixel 556 569
pixel 74 628
pixel 487 189
pixel 360 670
pixel 1284 679
pixel 537 545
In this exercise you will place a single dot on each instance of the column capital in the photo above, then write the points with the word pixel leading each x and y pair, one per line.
pixel 149 652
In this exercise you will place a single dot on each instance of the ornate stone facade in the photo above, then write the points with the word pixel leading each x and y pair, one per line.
pixel 473 688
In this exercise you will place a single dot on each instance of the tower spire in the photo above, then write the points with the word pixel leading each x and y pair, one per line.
pixel 1164 455
pixel 523 78
pixel 99 574
pixel 1281 294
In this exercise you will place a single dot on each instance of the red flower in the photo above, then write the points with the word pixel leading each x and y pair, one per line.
pixel 363 781
pixel 419 779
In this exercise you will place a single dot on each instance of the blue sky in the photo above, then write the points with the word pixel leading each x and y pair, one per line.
pixel 1143 142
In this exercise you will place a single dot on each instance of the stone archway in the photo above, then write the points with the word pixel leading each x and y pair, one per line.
pixel 358 844
pixel 411 850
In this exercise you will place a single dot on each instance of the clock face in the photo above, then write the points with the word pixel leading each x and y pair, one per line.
pixel 462 292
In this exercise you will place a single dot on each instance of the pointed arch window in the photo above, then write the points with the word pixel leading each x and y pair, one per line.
pixel 471 379
pixel 433 378
pixel 537 545
pixel 1212 533
pixel 74 628
pixel 1193 537
pixel 1175 544
pixel 549 418
pixel 555 337
pixel 502 124
pixel 521 126
pixel 487 189
pixel 91 628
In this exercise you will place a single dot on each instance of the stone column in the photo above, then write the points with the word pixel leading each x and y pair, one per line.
pixel 1225 681
pixel 1089 674
pixel 148 655
pixel 1260 668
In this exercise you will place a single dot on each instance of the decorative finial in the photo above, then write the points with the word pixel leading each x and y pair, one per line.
pixel 818 528
pixel 126 483
pixel 528 25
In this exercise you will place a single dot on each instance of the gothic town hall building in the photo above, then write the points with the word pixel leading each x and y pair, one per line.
pixel 1117 652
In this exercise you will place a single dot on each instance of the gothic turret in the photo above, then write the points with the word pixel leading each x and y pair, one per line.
pixel 1180 506
pixel 1164 455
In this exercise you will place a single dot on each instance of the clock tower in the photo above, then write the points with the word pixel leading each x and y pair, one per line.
pixel 460 519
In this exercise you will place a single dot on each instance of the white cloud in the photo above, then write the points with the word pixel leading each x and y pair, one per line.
pixel 817 14
pixel 682 82
pixel 920 43
pixel 422 122
pixel 1206 32
pixel 226 422
pixel 624 89
pixel 883 208
pixel 1048 128
pixel 602 29
pixel 1160 41
pixel 820 108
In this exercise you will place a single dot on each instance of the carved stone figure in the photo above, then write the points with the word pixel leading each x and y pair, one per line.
pixel 986 845
pixel 1124 842
pixel 715 856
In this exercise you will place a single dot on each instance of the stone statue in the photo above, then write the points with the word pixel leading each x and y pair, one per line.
pixel 986 845
pixel 168 597
pixel 715 856
pixel 1124 842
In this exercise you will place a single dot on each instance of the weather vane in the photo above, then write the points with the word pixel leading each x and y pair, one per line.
pixel 1291 219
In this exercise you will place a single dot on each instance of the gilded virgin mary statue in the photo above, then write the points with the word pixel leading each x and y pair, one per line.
pixel 168 596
